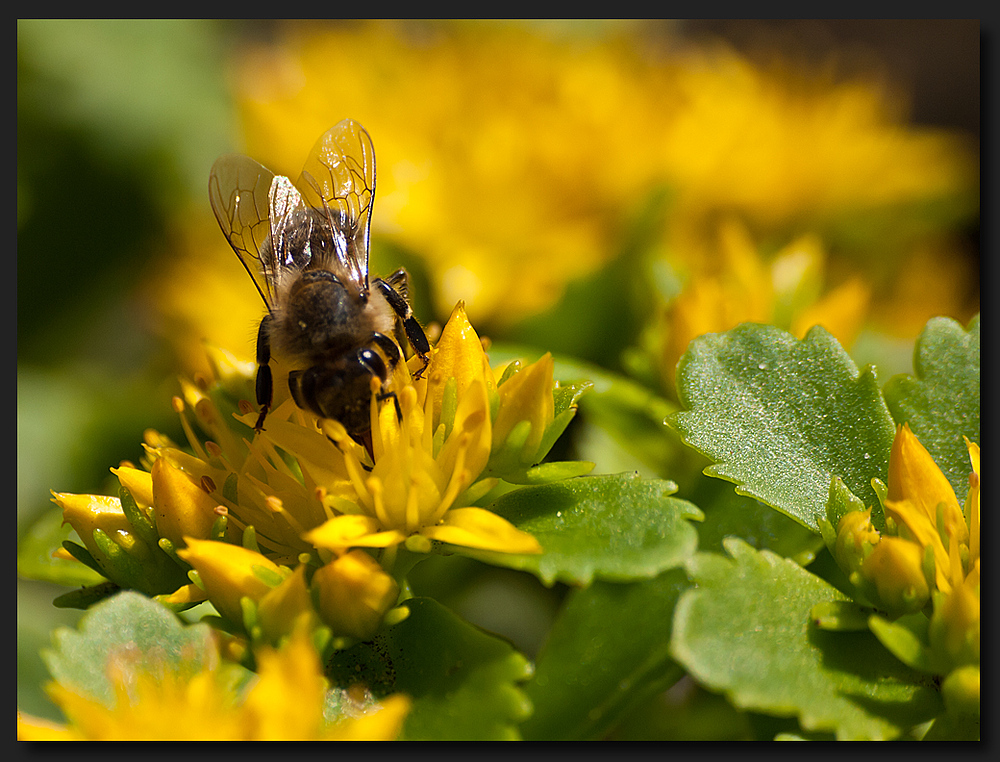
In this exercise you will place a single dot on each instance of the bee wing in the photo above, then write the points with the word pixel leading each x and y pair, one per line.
pixel 240 192
pixel 339 179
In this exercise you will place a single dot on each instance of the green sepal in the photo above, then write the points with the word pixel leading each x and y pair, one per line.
pixel 140 522
pixel 82 555
pixel 544 473
pixel 906 638
pixel 85 597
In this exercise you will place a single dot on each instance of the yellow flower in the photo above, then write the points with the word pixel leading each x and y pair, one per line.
pixel 285 702
pixel 427 461
pixel 929 552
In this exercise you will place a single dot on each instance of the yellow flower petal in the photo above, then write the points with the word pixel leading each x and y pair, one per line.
pixel 38 729
pixel 139 483
pixel 479 528
pixel 917 527
pixel 287 607
pixel 526 396
pixel 185 594
pixel 286 703
pixel 458 354
pixel 343 532
pixel 914 476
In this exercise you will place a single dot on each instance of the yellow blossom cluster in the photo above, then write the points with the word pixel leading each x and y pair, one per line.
pixel 303 523
pixel 742 287
pixel 928 556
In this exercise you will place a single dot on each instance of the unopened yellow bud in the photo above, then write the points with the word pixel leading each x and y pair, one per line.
pixel 961 690
pixel 283 607
pixel 180 505
pixel 228 573
pixel 526 396
pixel 854 533
pixel 955 625
pixel 895 568
pixel 354 593
pixel 88 513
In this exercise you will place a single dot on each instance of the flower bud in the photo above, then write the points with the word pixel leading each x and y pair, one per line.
pixel 961 690
pixel 181 507
pixel 526 411
pixel 117 548
pixel 854 532
pixel 353 593
pixel 955 625
pixel 895 567
pixel 281 609
pixel 229 572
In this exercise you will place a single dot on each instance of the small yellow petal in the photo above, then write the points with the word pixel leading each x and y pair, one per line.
pixel 343 532
pixel 139 483
pixel 458 354
pixel 914 476
pixel 479 528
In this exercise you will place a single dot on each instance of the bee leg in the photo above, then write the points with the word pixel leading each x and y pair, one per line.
pixel 394 290
pixel 265 383
pixel 386 395
pixel 418 340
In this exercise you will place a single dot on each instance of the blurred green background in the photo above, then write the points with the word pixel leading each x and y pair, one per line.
pixel 118 123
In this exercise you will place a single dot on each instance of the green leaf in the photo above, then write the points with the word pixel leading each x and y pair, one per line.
pixel 607 652
pixel 615 528
pixel 730 515
pixel 35 549
pixel 463 681
pixel 840 616
pixel 132 633
pixel 779 416
pixel 941 403
pixel 744 629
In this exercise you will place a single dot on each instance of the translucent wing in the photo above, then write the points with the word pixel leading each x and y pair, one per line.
pixel 240 192
pixel 339 179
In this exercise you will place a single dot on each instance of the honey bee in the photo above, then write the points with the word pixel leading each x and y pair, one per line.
pixel 307 245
